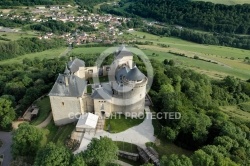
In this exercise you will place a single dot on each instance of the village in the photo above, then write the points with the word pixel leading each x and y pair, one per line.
pixel 105 28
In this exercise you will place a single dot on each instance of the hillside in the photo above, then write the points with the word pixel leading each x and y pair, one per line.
pixel 200 15
pixel 227 2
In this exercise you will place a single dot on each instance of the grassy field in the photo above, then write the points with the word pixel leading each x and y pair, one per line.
pixel 88 50
pixel 56 134
pixel 121 123
pixel 52 53
pixel 44 110
pixel 234 111
pixel 227 2
pixel 15 36
pixel 230 60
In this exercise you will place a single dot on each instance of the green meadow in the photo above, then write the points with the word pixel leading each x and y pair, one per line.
pixel 230 60
pixel 52 53
pixel 88 50
pixel 15 36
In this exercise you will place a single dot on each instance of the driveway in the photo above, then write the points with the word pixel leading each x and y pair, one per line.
pixel 6 138
pixel 45 122
pixel 138 135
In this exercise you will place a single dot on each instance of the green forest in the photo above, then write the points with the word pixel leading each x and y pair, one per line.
pixel 21 84
pixel 23 46
pixel 201 15
pixel 54 26
pixel 216 138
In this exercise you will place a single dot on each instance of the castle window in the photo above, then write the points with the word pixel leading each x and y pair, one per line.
pixel 62 103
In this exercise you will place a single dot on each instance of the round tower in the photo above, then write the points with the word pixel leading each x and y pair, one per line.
pixel 132 93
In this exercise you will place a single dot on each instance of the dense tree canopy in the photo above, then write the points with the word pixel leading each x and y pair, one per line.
pixel 7 113
pixel 53 26
pixel 203 127
pixel 25 82
pixel 204 15
pixel 54 155
pixel 27 45
pixel 100 152
pixel 26 140
pixel 175 160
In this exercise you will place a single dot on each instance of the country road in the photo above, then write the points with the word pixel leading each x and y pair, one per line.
pixel 68 50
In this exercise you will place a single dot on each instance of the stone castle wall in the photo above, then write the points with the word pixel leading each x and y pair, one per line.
pixel 63 107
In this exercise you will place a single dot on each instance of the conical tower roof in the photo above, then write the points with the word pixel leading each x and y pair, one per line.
pixel 135 75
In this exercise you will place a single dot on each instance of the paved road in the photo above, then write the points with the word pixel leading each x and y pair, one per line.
pixel 45 122
pixel 138 135
pixel 6 137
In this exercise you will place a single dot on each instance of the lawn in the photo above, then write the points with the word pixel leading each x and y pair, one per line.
pixel 56 134
pixel 127 147
pixel 121 123
pixel 44 111
pixel 63 133
pixel 227 2
pixel 52 53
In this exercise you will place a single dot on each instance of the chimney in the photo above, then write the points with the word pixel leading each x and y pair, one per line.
pixel 66 79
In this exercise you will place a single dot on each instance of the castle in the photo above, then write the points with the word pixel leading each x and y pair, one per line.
pixel 125 92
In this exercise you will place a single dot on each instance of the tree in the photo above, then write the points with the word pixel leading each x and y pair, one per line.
pixel 171 62
pixel 101 151
pixel 202 158
pixel 7 113
pixel 78 161
pixel 26 140
pixel 169 133
pixel 226 142
pixel 175 160
pixel 55 155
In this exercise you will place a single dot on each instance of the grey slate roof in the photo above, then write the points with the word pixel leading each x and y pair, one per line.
pixel 122 51
pixel 121 72
pixel 66 71
pixel 101 93
pixel 135 75
pixel 75 88
pixel 75 64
